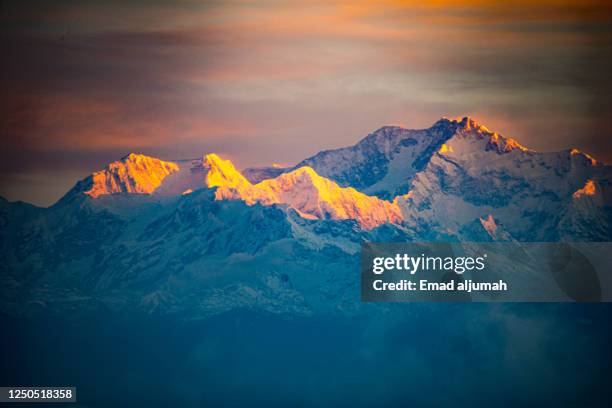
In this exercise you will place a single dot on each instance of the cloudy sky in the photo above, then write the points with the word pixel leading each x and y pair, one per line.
pixel 86 82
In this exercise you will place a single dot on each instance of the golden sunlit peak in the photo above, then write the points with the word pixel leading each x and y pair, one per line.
pixel 134 173
pixel 515 145
pixel 213 161
pixel 489 224
pixel 314 196
pixel 445 148
pixel 505 144
pixel 576 152
pixel 500 143
pixel 302 189
pixel 464 122
pixel 222 173
pixel 464 119
pixel 212 158
pixel 467 122
pixel 589 189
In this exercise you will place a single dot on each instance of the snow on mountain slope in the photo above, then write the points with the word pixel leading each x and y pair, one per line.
pixel 477 173
pixel 448 175
pixel 589 214
pixel 384 162
pixel 144 175
pixel 230 184
pixel 311 195
pixel 135 173
pixel 190 177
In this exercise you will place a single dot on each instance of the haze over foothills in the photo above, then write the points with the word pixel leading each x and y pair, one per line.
pixel 85 83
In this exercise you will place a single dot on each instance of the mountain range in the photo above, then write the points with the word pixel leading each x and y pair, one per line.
pixel 194 238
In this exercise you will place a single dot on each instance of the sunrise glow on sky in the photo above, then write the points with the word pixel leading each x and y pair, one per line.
pixel 85 83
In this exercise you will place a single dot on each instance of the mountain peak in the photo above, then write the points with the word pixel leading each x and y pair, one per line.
pixel 303 190
pixel 221 172
pixel 469 127
pixel 588 158
pixel 214 159
pixel 468 123
pixel 465 123
pixel 505 144
pixel 314 196
pixel 134 173
pixel 228 180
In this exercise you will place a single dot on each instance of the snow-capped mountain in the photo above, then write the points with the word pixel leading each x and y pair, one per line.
pixel 141 174
pixel 303 190
pixel 477 173
pixel 135 173
pixel 588 217
pixel 384 162
pixel 196 237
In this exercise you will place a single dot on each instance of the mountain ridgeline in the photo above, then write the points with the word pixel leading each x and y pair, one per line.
pixel 198 237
